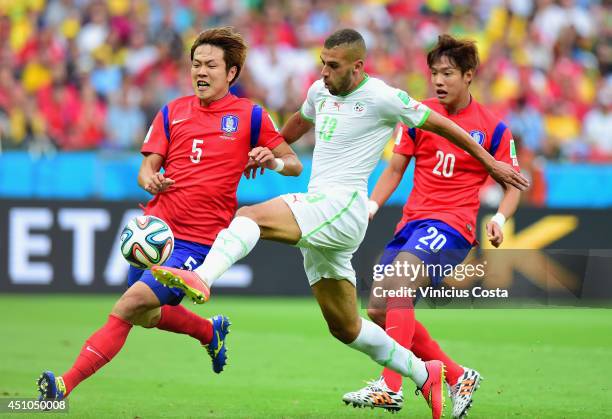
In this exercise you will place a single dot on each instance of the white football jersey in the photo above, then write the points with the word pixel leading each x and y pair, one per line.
pixel 351 131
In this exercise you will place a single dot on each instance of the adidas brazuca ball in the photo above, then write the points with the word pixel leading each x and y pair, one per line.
pixel 146 241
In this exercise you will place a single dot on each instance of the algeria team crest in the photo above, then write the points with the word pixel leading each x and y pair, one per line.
pixel 359 107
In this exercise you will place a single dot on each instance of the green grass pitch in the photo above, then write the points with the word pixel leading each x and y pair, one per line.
pixel 537 363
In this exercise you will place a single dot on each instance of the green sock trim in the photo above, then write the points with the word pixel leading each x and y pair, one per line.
pixel 245 249
pixel 410 366
pixel 388 360
pixel 227 256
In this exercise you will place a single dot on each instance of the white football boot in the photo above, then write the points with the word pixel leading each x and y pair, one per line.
pixel 376 394
pixel 462 392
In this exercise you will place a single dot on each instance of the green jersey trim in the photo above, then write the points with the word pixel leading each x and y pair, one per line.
pixel 420 124
pixel 359 86
pixel 304 115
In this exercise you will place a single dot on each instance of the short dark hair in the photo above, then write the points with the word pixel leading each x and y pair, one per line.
pixel 462 53
pixel 231 42
pixel 344 36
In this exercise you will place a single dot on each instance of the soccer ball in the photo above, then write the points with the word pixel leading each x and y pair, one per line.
pixel 146 241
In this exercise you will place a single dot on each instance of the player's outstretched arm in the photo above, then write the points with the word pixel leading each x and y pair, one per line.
pixel 507 208
pixel 295 127
pixel 500 171
pixel 388 181
pixel 149 177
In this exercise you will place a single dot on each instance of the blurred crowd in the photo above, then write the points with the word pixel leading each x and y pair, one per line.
pixel 91 74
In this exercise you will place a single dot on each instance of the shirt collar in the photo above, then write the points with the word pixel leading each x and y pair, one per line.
pixel 215 105
pixel 467 109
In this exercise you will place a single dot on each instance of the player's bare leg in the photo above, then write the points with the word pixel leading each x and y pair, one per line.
pixel 275 220
pixel 139 306
pixel 270 220
pixel 338 302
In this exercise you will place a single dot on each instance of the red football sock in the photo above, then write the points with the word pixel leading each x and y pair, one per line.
pixel 98 350
pixel 428 349
pixel 399 325
pixel 178 319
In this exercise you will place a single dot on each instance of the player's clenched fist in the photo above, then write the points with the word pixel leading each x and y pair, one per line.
pixel 157 183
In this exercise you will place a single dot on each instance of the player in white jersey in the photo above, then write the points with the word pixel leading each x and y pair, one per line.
pixel 353 115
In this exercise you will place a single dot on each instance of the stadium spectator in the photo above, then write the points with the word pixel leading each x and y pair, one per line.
pixel 598 124
pixel 526 121
pixel 124 122
pixel 547 57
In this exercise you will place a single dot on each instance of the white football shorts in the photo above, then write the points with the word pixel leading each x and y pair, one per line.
pixel 333 223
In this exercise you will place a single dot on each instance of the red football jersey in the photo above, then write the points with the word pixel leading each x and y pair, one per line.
pixel 205 151
pixel 447 179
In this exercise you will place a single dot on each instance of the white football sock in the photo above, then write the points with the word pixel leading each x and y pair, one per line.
pixel 375 342
pixel 231 245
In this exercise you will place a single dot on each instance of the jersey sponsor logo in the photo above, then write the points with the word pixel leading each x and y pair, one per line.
pixel 229 124
pixel 359 107
pixel 337 105
pixel 478 136
pixel 178 121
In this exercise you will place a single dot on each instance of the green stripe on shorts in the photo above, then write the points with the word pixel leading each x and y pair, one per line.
pixel 331 220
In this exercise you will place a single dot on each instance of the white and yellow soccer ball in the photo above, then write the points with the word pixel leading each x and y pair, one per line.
pixel 146 241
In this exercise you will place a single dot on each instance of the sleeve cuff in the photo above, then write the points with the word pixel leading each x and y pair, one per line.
pixel 304 116
pixel 275 142
pixel 427 112
pixel 150 149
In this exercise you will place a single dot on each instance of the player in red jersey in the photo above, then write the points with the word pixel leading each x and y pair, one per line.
pixel 204 143
pixel 439 219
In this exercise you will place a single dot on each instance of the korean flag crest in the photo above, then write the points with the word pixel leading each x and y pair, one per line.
pixel 478 136
pixel 229 124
